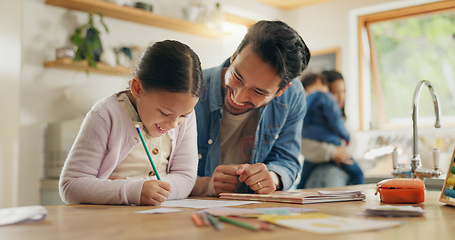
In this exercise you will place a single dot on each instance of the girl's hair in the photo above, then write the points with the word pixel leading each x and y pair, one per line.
pixel 280 45
pixel 170 66
pixel 332 76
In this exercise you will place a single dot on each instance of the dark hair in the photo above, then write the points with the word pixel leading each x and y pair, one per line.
pixel 331 76
pixel 170 66
pixel 280 45
pixel 310 78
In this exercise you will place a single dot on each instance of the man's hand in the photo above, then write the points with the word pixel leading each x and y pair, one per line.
pixel 224 179
pixel 257 177
pixel 342 156
pixel 155 192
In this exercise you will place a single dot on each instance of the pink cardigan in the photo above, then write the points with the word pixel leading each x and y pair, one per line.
pixel 104 140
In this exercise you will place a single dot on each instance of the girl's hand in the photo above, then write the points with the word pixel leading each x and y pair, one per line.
pixel 155 192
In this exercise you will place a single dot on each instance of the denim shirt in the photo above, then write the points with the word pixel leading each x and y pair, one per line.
pixel 278 134
pixel 324 121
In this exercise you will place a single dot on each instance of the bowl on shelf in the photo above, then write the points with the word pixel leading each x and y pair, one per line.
pixel 65 52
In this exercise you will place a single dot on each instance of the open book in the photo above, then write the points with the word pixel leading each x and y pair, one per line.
pixel 298 197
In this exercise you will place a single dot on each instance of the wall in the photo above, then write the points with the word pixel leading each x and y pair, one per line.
pixel 43 92
pixel 10 73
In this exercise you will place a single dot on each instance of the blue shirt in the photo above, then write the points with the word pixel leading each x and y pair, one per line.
pixel 278 134
pixel 324 122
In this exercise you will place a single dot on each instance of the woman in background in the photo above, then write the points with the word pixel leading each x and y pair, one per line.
pixel 320 154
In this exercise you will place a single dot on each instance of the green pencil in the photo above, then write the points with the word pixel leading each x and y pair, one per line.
pixel 138 128
pixel 216 224
pixel 239 223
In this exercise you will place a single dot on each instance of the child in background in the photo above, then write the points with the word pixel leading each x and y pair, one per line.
pixel 324 123
pixel 108 164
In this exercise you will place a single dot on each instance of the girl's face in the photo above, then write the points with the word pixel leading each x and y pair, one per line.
pixel 338 90
pixel 161 111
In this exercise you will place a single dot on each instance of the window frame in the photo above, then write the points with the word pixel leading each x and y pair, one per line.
pixel 366 59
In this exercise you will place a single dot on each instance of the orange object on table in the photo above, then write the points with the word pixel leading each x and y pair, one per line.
pixel 401 190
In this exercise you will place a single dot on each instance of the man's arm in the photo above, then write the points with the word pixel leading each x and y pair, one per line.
pixel 224 179
pixel 283 157
pixel 201 188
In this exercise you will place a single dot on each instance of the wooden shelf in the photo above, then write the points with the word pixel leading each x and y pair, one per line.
pixel 239 20
pixel 138 16
pixel 69 64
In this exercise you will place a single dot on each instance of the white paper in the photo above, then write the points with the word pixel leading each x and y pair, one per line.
pixel 159 210
pixel 394 211
pixel 22 214
pixel 340 193
pixel 334 224
pixel 199 203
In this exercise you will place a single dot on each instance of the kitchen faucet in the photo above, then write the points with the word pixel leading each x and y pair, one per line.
pixel 417 171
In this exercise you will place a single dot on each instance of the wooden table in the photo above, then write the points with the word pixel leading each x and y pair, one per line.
pixel 83 222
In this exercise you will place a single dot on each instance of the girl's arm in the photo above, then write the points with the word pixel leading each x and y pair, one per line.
pixel 84 178
pixel 184 160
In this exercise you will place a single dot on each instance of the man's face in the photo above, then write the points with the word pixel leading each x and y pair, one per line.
pixel 250 83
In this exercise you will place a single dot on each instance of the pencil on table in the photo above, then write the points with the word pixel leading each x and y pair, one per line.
pixel 197 220
pixel 205 219
pixel 239 223
pixel 216 224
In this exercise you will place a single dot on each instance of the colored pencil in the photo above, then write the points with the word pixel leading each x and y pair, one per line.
pixel 197 220
pixel 205 219
pixel 240 223
pixel 216 224
pixel 147 151
pixel 262 225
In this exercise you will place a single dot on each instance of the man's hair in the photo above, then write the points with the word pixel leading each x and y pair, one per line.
pixel 280 45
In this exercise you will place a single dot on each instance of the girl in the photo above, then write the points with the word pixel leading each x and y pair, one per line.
pixel 107 163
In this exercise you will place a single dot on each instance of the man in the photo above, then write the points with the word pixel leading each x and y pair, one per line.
pixel 251 113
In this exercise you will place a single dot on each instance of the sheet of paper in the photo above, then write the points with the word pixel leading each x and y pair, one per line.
pixel 199 203
pixel 159 210
pixel 329 224
pixel 339 193
pixel 393 211
pixel 284 210
pixel 22 214
pixel 229 211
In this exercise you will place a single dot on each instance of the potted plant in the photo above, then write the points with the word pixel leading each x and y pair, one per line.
pixel 88 41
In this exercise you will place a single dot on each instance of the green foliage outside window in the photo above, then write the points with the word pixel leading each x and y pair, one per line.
pixel 413 49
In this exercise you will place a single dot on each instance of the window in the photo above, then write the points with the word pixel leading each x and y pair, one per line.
pixel 399 48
